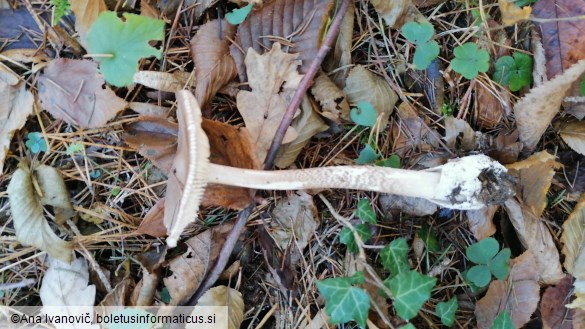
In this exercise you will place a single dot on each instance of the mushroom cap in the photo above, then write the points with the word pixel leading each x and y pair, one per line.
pixel 187 178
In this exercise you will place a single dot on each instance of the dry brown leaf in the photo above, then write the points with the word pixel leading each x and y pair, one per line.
pixel 574 135
pixel 170 7
pixel 512 14
pixel 149 109
pixel 552 306
pixel 481 222
pixel 155 138
pixel 300 21
pixel 573 239
pixel 410 132
pixel 73 91
pixel 30 224
pixel 535 111
pixel 165 81
pixel 363 85
pixel 153 222
pixel 534 179
pixel 86 12
pixel 518 294
pixel 459 130
pixel 149 10
pixel 225 296
pixel 26 56
pixel 397 12
pixel 273 78
pixel 55 193
pixel 186 183
pixel 307 125
pixel 214 67
pixel 506 148
pixel 339 59
pixel 332 99
pixel 535 236
pixel 119 296
pixel 489 108
pixel 150 264
pixel 16 103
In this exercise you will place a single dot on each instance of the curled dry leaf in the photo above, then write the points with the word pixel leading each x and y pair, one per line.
pixel 155 138
pixel 214 67
pixel 73 91
pixel 339 59
pixel 411 132
pixel 16 103
pixel 30 224
pixel 512 14
pixel 574 135
pixel 481 222
pixel 153 222
pixel 333 101
pixel 300 21
pixel 273 78
pixel 119 296
pixel 363 85
pixel 225 296
pixel 454 128
pixel 489 108
pixel 535 111
pixel 164 81
pixel 396 13
pixel 150 264
pixel 149 109
pixel 506 147
pixel 518 294
pixel 552 305
pixel 535 236
pixel 573 239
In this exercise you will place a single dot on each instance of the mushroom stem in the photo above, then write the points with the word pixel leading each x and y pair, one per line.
pixel 470 182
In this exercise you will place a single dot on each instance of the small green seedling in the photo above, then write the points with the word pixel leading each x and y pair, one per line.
pixel 364 114
pixel 119 45
pixel 514 72
pixel 60 9
pixel 421 34
pixel 366 214
pixel 238 16
pixel 367 155
pixel 469 60
pixel 503 321
pixel 75 148
pixel 116 191
pixel 446 311
pixel 344 301
pixel 447 110
pixel 36 142
pixel 490 261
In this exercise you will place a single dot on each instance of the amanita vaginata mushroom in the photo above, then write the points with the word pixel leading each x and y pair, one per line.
pixel 470 182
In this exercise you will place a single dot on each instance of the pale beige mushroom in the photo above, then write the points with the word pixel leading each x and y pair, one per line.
pixel 470 182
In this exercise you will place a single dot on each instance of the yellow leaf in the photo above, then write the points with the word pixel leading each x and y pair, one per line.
pixel 225 296
pixel 574 135
pixel 512 14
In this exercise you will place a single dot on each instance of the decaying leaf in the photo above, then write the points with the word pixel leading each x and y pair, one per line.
pixel 86 12
pixel 119 296
pixel 512 14
pixel 332 99
pixel 552 306
pixel 54 193
pixel 153 222
pixel 225 296
pixel 534 179
pixel 150 264
pixel 535 236
pixel 214 67
pixel 273 78
pixel 186 183
pixel 73 91
pixel 164 81
pixel 396 13
pixel 30 224
pixel 535 111
pixel 16 103
pixel 411 132
pixel 481 222
pixel 339 59
pixel 155 138
pixel 306 125
pixel 574 135
pixel 573 239
pixel 300 21
pixel 149 109
pixel 506 147
pixel 458 128
pixel 66 284
pixel 489 108
pixel 363 85
pixel 170 7
pixel 518 294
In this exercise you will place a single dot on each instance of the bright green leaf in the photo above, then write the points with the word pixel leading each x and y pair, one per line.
pixel 367 155
pixel 394 257
pixel 391 162
pixel 116 190
pixel 424 54
pixel 503 321
pixel 364 114
pixel 343 301
pixel 469 60
pixel 347 238
pixel 483 251
pixel 500 265
pixel 75 148
pixel 60 9
pixel 408 326
pixel 36 142
pixel 126 41
pixel 418 33
pixel 504 67
pixel 410 291
pixel 446 311
pixel 479 275
pixel 237 16
pixel 522 75
pixel 365 212
pixel 428 235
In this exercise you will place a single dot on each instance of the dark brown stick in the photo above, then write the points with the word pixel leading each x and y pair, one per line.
pixel 306 82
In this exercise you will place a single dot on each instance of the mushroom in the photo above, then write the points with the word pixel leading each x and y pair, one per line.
pixel 470 182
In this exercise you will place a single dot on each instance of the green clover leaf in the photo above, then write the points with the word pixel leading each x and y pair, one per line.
pixel 36 142
pixel 394 257
pixel 418 33
pixel 367 155
pixel 347 238
pixel 343 301
pixel 365 212
pixel 483 251
pixel 446 311
pixel 469 60
pixel 238 16
pixel 125 42
pixel 424 54
pixel 514 72
pixel 490 261
pixel 410 291
pixel 364 114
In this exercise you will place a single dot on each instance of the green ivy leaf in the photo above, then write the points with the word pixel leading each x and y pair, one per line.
pixel 365 212
pixel 391 162
pixel 36 142
pixel 424 54
pixel 347 238
pixel 446 311
pixel 238 16
pixel 394 257
pixel 500 265
pixel 364 114
pixel 469 60
pixel 418 33
pixel 429 237
pixel 503 321
pixel 483 251
pixel 126 41
pixel 410 291
pixel 343 301
pixel 479 275
pixel 367 155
